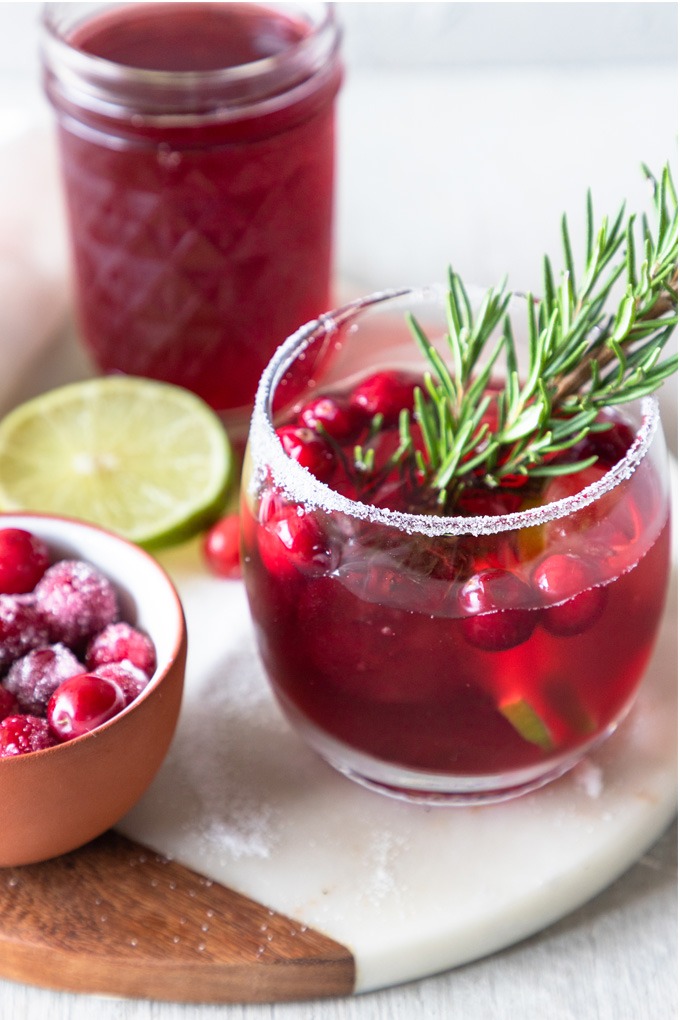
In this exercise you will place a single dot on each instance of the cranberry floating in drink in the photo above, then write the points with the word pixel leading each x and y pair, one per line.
pixel 197 143
pixel 457 601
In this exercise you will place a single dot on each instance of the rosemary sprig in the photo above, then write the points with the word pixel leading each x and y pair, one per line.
pixel 581 356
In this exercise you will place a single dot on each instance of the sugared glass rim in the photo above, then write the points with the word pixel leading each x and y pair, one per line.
pixel 97 83
pixel 299 485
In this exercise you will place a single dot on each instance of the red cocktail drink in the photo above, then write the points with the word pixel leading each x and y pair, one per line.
pixel 197 143
pixel 446 658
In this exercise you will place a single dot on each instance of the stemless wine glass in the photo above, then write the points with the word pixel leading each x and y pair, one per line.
pixel 450 660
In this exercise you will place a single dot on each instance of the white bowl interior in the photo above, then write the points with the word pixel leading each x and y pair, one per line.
pixel 147 597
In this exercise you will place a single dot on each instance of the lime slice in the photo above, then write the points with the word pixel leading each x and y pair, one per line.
pixel 145 459
pixel 528 723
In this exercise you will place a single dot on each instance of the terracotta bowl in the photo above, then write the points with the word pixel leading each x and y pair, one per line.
pixel 57 799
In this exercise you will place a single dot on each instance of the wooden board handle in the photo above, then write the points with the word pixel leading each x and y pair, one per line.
pixel 118 919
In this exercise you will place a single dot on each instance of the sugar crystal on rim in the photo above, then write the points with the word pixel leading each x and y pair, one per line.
pixel 300 486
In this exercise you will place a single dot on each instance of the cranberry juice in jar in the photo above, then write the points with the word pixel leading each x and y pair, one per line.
pixel 197 145
pixel 449 659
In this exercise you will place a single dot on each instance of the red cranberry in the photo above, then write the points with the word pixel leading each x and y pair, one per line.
pixel 76 600
pixel 21 627
pixel 118 642
pixel 81 704
pixel 221 547
pixel 576 614
pixel 309 449
pixel 24 558
pixel 338 418
pixel 559 576
pixel 129 678
pixel 21 734
pixel 292 541
pixel 498 604
pixel 8 703
pixel 564 579
pixel 493 589
pixel 386 393
pixel 35 676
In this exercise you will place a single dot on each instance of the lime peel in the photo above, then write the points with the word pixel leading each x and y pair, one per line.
pixel 148 460
pixel 528 723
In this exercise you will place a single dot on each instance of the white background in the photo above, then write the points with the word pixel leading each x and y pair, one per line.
pixel 466 129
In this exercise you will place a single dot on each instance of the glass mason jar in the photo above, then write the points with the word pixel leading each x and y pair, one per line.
pixel 441 659
pixel 197 146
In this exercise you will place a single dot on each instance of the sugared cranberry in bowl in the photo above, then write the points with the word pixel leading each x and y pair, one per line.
pixel 90 694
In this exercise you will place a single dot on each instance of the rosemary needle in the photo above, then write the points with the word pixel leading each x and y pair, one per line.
pixel 582 355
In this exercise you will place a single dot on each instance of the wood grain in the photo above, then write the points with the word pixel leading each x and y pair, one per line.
pixel 115 918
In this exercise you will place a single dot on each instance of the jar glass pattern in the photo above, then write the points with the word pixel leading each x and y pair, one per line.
pixel 370 622
pixel 197 148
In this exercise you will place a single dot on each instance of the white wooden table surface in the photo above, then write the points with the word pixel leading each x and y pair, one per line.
pixel 614 959
pixel 470 162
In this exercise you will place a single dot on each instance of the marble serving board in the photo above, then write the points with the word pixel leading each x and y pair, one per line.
pixel 298 883
pixel 409 890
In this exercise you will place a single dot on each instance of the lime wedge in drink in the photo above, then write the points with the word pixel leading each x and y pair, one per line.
pixel 145 459
pixel 528 723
